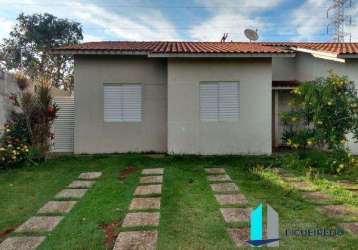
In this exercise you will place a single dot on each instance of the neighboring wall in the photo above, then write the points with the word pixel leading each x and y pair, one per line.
pixel 7 87
pixel 92 134
pixel 250 135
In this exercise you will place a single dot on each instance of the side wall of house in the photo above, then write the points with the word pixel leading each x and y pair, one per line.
pixel 250 135
pixel 92 134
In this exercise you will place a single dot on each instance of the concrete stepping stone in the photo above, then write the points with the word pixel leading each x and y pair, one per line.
pixel 22 243
pixel 57 207
pixel 71 193
pixel 151 179
pixel 81 184
pixel 40 224
pixel 231 199
pixel 303 186
pixel 148 189
pixel 239 236
pixel 232 215
pixel 316 197
pixel 136 241
pixel 348 185
pixel 224 187
pixel 336 210
pixel 141 219
pixel 145 203
pixel 153 171
pixel 350 227
pixel 222 177
pixel 90 175
pixel 215 170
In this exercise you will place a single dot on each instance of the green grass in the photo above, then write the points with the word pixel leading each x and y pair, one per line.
pixel 190 216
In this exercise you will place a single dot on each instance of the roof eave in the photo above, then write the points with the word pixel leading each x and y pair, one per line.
pixel 96 52
pixel 220 55
pixel 320 54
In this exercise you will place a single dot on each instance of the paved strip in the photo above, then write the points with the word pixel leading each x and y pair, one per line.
pixel 145 203
pixel 22 243
pixel 231 199
pixel 81 184
pixel 90 175
pixel 39 224
pixel 227 193
pixel 53 207
pixel 136 240
pixel 71 194
pixel 146 240
pixel 148 189
pixel 42 224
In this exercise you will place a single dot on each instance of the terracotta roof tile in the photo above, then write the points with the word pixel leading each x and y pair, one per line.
pixel 334 48
pixel 178 47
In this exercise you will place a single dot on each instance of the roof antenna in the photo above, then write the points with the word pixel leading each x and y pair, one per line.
pixel 223 39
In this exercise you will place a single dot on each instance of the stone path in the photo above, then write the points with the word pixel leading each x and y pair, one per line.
pixel 147 197
pixel 228 193
pixel 50 215
pixel 324 202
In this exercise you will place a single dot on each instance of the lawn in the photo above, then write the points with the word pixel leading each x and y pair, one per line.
pixel 190 215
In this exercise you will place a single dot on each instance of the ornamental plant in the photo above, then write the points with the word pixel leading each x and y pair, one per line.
pixel 31 118
pixel 323 113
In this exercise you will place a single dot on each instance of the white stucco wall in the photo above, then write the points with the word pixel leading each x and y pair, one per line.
pixel 250 135
pixel 284 69
pixel 92 134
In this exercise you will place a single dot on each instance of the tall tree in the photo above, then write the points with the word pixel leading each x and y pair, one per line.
pixel 29 44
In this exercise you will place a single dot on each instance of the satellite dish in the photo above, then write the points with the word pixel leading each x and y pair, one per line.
pixel 251 34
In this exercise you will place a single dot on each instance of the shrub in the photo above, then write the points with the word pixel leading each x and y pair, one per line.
pixel 28 131
pixel 323 113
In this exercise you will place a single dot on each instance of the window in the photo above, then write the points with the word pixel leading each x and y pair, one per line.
pixel 219 101
pixel 122 102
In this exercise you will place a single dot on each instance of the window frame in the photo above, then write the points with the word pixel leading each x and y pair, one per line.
pixel 121 101
pixel 219 120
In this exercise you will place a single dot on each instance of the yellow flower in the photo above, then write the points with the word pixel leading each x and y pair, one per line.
pixel 295 146
pixel 329 103
pixel 309 142
pixel 289 141
pixel 294 119
pixel 343 141
pixel 2 149
pixel 26 150
pixel 7 130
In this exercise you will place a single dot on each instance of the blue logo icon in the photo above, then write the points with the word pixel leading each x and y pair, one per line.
pixel 256 227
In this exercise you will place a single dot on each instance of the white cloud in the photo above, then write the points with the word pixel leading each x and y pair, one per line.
pixel 5 27
pixel 309 20
pixel 232 18
pixel 144 24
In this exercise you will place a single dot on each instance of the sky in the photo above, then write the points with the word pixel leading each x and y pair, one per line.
pixel 186 20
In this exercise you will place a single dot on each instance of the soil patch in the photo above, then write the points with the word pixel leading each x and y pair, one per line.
pixel 5 233
pixel 124 173
pixel 111 233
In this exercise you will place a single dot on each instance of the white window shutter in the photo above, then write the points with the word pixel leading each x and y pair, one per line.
pixel 132 102
pixel 122 102
pixel 229 101
pixel 113 103
pixel 209 102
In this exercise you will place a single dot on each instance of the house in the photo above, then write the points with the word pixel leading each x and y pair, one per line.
pixel 193 97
